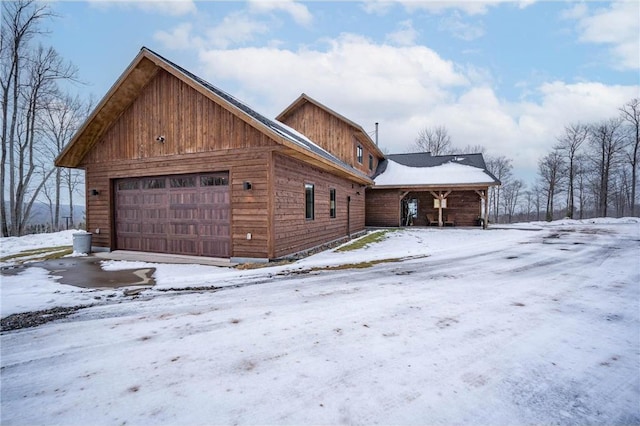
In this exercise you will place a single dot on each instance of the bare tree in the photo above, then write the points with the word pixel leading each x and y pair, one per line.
pixel 30 78
pixel 60 120
pixel 20 23
pixel 435 140
pixel 569 144
pixel 607 140
pixel 581 170
pixel 551 169
pixel 470 149
pixel 630 113
pixel 501 168
pixel 511 196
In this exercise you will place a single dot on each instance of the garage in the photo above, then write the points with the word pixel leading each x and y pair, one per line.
pixel 183 214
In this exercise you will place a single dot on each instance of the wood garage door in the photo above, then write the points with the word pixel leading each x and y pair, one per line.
pixel 185 214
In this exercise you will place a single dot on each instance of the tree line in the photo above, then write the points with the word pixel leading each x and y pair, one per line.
pixel 591 171
pixel 38 119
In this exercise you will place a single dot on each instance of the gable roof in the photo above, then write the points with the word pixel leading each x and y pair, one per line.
pixel 360 132
pixel 424 170
pixel 142 69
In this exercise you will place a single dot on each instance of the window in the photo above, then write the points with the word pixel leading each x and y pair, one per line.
pixel 359 153
pixel 370 162
pixel 308 201
pixel 128 185
pixel 183 182
pixel 154 183
pixel 332 202
pixel 213 181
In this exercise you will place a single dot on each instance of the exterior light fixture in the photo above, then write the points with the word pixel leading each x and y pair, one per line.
pixel 246 185
pixel 160 139
pixel 94 192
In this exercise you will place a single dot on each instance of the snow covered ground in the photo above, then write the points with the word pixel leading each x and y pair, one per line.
pixel 531 323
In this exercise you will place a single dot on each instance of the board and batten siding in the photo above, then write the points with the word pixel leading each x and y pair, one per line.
pixel 293 232
pixel 189 122
pixel 200 136
pixel 332 134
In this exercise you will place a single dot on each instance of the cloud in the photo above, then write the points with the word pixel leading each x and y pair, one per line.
pixel 469 7
pixel 179 38
pixel 163 7
pixel 298 12
pixel 405 36
pixel 371 78
pixel 617 26
pixel 235 28
pixel 456 26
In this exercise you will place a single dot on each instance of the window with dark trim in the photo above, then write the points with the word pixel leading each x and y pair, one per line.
pixel 213 181
pixel 183 182
pixel 308 201
pixel 359 153
pixel 152 183
pixel 370 162
pixel 332 202
pixel 127 185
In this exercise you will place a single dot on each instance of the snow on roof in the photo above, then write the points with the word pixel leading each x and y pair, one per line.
pixel 450 173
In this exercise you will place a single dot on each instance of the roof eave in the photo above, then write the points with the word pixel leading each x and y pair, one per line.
pixel 72 155
pixel 473 185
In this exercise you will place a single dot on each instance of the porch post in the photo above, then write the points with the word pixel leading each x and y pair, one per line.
pixel 486 210
pixel 484 196
pixel 440 196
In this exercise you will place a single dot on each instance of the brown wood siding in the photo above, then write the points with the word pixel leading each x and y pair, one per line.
pixel 383 207
pixel 248 207
pixel 464 205
pixel 189 122
pixel 332 134
pixel 294 233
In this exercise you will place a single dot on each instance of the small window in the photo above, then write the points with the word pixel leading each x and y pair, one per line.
pixel 154 183
pixel 370 162
pixel 332 203
pixel 128 185
pixel 213 181
pixel 359 153
pixel 309 201
pixel 183 182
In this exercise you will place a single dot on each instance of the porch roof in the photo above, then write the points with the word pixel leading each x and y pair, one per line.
pixel 453 172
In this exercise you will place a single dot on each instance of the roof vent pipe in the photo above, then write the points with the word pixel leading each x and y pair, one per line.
pixel 376 134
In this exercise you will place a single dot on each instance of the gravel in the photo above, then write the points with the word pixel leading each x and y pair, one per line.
pixel 36 318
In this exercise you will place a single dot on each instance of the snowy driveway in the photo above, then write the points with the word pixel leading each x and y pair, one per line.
pixel 497 327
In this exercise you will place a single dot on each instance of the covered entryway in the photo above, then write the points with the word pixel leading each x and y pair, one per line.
pixel 183 214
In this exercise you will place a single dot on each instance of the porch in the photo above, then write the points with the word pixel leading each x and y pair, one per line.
pixel 427 207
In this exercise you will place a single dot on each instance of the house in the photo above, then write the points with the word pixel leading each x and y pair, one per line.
pixel 421 189
pixel 175 165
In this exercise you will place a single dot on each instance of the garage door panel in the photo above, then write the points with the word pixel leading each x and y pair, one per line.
pixel 153 244
pixel 209 248
pixel 179 214
pixel 182 246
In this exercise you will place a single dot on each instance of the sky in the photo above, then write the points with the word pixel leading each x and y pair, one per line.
pixel 535 323
pixel 506 75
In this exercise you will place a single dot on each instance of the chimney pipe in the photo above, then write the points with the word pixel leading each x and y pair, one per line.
pixel 376 134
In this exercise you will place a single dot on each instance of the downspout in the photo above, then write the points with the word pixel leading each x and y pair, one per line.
pixel 349 216
pixel 376 134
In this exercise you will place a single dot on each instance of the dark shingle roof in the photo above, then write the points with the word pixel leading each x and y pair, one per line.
pixel 283 130
pixel 425 159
